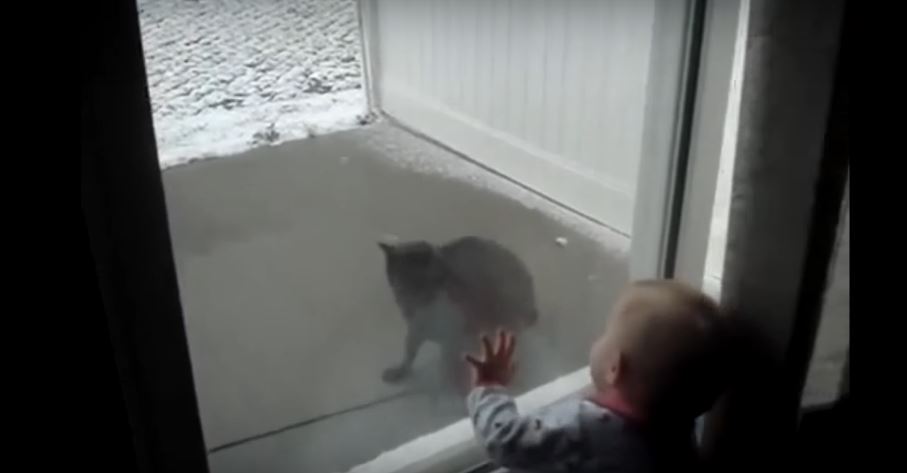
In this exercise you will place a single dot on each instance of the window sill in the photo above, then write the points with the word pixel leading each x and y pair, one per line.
pixel 453 448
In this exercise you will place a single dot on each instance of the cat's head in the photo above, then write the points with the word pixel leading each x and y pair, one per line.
pixel 413 263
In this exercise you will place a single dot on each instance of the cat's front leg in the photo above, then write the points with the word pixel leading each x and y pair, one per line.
pixel 414 340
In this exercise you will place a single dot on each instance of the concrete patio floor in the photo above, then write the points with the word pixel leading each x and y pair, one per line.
pixel 288 313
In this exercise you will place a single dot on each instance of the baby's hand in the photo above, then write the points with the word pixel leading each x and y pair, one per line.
pixel 497 366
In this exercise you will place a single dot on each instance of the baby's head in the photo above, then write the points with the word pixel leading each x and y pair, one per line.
pixel 662 350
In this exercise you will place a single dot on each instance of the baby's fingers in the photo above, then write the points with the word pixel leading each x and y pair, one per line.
pixel 502 342
pixel 473 360
pixel 511 345
pixel 487 347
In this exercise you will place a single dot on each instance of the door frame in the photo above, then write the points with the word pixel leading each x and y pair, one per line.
pixel 125 214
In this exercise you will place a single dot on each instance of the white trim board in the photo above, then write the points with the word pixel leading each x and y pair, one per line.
pixel 594 196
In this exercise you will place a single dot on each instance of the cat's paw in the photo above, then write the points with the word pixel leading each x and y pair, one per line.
pixel 395 374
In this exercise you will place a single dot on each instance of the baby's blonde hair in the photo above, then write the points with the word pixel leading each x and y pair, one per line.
pixel 669 335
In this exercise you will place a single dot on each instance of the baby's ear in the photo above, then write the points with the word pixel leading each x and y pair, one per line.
pixel 617 370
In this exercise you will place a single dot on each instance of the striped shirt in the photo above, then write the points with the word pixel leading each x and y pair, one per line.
pixel 573 435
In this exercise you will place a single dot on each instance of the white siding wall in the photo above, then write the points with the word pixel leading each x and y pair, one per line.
pixel 548 92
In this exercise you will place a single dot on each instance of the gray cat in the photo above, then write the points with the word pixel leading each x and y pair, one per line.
pixel 452 293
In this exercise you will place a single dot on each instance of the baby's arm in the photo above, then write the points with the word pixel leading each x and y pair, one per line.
pixel 545 442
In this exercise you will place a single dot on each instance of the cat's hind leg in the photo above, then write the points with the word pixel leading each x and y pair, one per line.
pixel 414 340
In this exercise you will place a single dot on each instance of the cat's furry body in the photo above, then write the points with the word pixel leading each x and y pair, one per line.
pixel 452 293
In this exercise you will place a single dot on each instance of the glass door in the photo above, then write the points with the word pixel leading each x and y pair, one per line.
pixel 357 190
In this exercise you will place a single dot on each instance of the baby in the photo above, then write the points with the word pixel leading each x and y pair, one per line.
pixel 657 367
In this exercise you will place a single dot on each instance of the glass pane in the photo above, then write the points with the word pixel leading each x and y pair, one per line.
pixel 311 236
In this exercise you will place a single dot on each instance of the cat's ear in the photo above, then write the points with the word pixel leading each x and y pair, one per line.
pixel 387 248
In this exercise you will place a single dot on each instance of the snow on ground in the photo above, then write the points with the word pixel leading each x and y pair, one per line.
pixel 230 75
